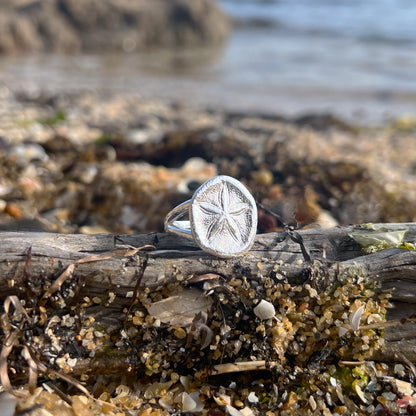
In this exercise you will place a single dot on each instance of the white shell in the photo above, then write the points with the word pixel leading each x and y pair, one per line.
pixel 264 310
pixel 252 398
pixel 191 402
pixel 355 318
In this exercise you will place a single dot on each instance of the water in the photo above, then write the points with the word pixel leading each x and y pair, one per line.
pixel 354 58
pixel 368 20
pixel 351 56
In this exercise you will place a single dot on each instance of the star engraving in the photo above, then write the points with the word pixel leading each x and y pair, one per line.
pixel 225 212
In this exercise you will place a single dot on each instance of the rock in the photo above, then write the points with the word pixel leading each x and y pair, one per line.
pixel 324 122
pixel 18 34
pixel 178 146
pixel 108 25
pixel 25 153
pixel 326 220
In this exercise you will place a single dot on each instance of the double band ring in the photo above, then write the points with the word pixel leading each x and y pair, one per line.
pixel 222 217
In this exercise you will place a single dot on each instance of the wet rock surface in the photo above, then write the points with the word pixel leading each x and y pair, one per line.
pixel 92 163
pixel 68 26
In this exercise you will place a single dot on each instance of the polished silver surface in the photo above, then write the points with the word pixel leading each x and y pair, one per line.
pixel 222 217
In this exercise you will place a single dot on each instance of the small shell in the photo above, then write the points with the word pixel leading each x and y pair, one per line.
pixel 355 318
pixel 233 411
pixel 252 398
pixel 360 393
pixel 264 310
pixel 192 402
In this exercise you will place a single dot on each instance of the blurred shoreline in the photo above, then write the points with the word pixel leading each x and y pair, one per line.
pixel 201 79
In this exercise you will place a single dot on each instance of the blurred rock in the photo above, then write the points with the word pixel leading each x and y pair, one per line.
pixel 326 220
pixel 13 210
pixel 24 153
pixel 137 196
pixel 68 26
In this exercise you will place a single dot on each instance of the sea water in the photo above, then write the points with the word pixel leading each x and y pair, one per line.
pixel 349 55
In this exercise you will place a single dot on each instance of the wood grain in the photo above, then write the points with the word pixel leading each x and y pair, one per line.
pixel 25 257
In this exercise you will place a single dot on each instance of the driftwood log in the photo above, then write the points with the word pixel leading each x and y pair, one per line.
pixel 114 263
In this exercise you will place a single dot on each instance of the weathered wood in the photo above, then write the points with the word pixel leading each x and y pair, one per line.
pixel 26 257
pixel 51 253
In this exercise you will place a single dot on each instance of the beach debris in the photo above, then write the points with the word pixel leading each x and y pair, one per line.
pixel 81 175
pixel 23 154
pixel 186 343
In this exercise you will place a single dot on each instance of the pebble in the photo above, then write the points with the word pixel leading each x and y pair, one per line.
pixel 399 370
pixel 23 154
pixel 389 395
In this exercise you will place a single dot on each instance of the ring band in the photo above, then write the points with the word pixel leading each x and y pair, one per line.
pixel 222 217
pixel 172 223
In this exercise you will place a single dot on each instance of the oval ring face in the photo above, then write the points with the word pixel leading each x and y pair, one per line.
pixel 223 216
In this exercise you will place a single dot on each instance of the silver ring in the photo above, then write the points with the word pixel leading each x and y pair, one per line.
pixel 222 217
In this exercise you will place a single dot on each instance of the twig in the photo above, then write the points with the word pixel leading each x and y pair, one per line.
pixel 4 376
pixel 139 281
pixel 58 391
pixel 28 263
pixel 237 367
pixel 388 324
pixel 351 363
pixel 43 368
pixel 67 273
pixel 290 230
pixel 402 357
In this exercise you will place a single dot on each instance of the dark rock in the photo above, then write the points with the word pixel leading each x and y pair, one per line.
pixel 324 122
pixel 175 148
pixel 108 25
